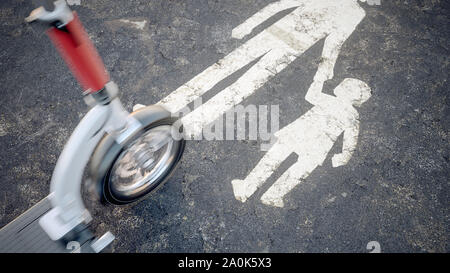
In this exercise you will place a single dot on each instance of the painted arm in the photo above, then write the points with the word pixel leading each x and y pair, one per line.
pixel 330 53
pixel 246 28
pixel 348 147
pixel 314 94
pixel 342 29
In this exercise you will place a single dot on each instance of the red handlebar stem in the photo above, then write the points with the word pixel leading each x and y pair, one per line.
pixel 80 55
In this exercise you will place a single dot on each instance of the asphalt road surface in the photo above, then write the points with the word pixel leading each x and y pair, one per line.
pixel 394 189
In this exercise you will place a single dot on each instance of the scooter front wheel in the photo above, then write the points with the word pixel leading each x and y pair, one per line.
pixel 128 172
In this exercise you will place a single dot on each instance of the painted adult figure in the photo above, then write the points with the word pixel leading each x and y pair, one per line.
pixel 278 46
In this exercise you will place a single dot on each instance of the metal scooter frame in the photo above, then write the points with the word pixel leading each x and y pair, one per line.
pixel 107 117
pixel 68 208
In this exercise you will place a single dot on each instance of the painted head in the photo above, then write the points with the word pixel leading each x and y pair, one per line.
pixel 353 91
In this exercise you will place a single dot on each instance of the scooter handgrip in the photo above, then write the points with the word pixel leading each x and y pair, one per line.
pixel 80 55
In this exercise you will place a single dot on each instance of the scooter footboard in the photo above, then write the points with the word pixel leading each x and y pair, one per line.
pixel 25 235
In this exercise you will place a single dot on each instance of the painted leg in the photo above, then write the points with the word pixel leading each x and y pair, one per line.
pixel 287 181
pixel 243 189
pixel 269 65
pixel 231 63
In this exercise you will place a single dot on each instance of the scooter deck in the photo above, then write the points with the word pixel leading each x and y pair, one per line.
pixel 25 235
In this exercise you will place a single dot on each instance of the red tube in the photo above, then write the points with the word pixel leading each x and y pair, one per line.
pixel 80 55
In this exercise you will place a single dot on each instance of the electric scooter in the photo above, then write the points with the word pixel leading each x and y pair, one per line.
pixel 129 154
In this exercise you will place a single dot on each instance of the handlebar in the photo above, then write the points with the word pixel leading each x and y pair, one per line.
pixel 74 45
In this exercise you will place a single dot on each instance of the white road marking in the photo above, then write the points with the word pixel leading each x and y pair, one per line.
pixel 137 24
pixel 312 135
pixel 279 45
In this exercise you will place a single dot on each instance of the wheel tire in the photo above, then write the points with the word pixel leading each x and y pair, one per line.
pixel 108 152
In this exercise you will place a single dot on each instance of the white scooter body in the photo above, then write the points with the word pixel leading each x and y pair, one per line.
pixel 62 214
pixel 65 189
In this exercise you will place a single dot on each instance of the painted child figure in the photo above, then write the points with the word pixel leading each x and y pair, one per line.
pixel 311 137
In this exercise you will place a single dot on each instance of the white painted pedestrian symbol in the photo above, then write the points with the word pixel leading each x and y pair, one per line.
pixel 313 134
pixel 278 46
pixel 311 137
